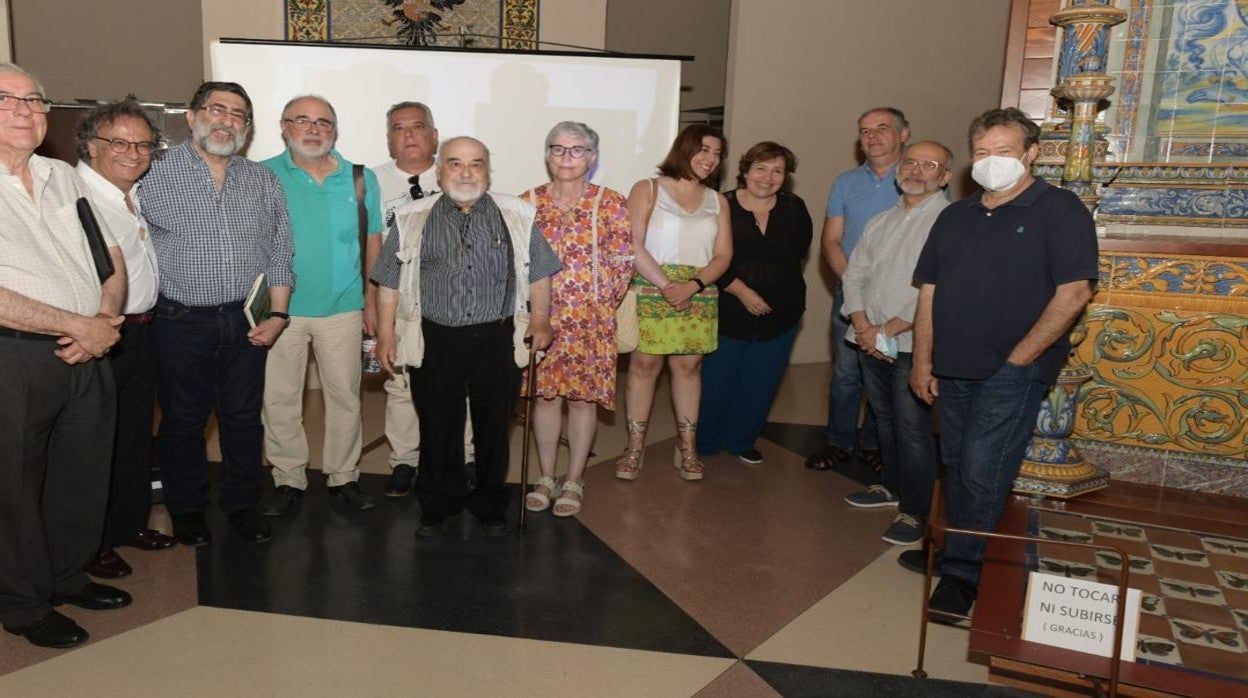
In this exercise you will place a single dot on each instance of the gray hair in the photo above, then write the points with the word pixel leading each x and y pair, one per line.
pixel 318 98
pixel 899 117
pixel 411 105
pixel 16 69
pixel 574 128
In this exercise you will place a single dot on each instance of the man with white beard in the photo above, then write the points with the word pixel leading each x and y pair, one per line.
pixel 218 221
pixel 326 310
pixel 466 275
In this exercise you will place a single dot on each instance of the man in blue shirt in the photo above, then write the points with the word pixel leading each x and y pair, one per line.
pixel 1003 275
pixel 856 196
pixel 326 311
pixel 218 221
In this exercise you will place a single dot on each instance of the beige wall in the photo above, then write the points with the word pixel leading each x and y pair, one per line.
pixel 697 28
pixel 106 49
pixel 6 51
pixel 240 19
pixel 801 71
pixel 573 22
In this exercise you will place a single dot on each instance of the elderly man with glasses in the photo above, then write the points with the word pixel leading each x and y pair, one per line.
pixel 219 222
pixel 880 300
pixel 326 309
pixel 115 143
pixel 59 313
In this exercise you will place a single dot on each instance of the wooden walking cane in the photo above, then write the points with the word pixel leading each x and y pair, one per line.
pixel 528 429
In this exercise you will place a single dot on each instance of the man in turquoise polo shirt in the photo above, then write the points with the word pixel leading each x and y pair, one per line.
pixel 326 309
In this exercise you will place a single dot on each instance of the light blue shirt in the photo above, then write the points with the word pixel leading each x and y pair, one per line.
pixel 858 195
pixel 324 219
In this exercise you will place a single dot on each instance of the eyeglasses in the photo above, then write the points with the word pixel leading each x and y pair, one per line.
pixel 928 166
pixel 416 192
pixel 303 123
pixel 38 105
pixel 576 151
pixel 219 111
pixel 121 145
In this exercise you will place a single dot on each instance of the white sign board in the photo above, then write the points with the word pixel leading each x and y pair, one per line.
pixel 1078 615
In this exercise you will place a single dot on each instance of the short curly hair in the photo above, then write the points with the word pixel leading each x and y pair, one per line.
pixel 768 150
pixel 90 124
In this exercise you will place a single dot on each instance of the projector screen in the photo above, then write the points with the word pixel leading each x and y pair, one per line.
pixel 507 100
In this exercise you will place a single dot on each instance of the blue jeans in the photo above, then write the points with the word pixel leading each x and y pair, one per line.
pixel 845 392
pixel 904 423
pixel 984 429
pixel 204 363
pixel 739 383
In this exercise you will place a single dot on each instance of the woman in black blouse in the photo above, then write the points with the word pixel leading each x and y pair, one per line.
pixel 762 299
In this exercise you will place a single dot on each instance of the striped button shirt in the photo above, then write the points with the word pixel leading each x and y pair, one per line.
pixel 212 244
pixel 466 264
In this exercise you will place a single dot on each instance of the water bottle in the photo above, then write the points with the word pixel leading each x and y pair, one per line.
pixel 369 360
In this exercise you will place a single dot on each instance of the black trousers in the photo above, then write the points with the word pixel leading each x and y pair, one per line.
pixel 133 360
pixel 56 437
pixel 475 362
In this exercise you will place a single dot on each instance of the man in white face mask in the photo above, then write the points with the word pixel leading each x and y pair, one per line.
pixel 1003 275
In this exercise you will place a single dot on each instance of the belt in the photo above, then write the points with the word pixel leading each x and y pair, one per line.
pixel 18 334
pixel 222 308
pixel 140 318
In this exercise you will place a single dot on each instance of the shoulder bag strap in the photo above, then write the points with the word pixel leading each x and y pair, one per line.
pixel 357 174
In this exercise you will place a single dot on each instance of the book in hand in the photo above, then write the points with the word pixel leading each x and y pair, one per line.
pixel 258 305
pixel 95 240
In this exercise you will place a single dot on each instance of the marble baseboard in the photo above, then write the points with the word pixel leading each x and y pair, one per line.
pixel 1166 469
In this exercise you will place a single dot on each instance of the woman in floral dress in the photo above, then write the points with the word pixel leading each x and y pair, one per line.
pixel 587 225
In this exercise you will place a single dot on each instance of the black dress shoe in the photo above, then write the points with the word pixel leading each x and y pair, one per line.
pixel 916 561
pixel 353 496
pixel 282 499
pixel 430 529
pixel 952 599
pixel 495 528
pixel 94 597
pixel 250 527
pixel 108 565
pixel 53 630
pixel 191 529
pixel 151 539
pixel 400 482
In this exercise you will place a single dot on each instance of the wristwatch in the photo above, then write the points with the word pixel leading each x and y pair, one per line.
pixel 701 285
pixel 283 316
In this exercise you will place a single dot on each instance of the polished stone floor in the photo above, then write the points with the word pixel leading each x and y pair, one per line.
pixel 757 581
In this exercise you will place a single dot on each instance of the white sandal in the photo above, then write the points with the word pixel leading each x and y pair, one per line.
pixel 537 500
pixel 576 488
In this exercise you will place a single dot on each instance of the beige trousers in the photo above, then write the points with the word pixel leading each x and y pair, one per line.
pixel 403 427
pixel 336 342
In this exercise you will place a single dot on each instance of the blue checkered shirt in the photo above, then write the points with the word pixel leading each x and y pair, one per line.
pixel 212 244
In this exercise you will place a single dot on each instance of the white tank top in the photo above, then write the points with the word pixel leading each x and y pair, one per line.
pixel 677 236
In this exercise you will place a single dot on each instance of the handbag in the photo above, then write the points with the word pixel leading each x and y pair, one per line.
pixel 627 326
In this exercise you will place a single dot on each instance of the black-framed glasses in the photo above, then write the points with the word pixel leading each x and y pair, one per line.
pixel 121 145
pixel 38 105
pixel 416 192
pixel 928 166
pixel 219 111
pixel 303 123
pixel 576 151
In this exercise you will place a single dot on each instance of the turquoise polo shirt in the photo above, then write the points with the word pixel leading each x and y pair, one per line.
pixel 324 221
pixel 857 195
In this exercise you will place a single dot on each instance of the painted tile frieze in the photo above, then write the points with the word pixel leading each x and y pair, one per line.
pixel 1167 379
pixel 471 23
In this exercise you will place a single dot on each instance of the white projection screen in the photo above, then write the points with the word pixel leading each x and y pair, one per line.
pixel 508 100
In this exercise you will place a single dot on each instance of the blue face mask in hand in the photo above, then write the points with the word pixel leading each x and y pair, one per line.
pixel 886 345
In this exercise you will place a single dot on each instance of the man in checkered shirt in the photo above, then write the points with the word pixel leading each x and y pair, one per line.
pixel 218 222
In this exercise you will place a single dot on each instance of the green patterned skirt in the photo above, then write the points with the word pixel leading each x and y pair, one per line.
pixel 665 330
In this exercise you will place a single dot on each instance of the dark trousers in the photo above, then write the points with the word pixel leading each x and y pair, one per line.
pixel 206 363
pixel 133 361
pixel 984 429
pixel 476 362
pixel 845 391
pixel 56 434
pixel 739 383
pixel 904 425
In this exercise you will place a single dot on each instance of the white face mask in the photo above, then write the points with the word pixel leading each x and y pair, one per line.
pixel 997 172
